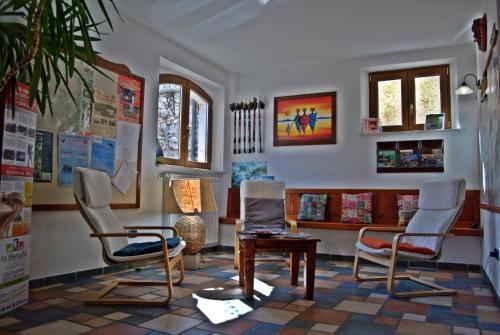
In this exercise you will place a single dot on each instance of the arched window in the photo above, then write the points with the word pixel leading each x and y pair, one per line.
pixel 184 122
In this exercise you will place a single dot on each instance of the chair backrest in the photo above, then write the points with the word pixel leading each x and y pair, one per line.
pixel 440 203
pixel 92 190
pixel 251 193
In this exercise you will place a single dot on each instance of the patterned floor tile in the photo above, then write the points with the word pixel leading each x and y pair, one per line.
pixel 271 315
pixel 440 301
pixel 57 327
pixel 7 321
pixel 325 328
pixel 409 327
pixel 358 307
pixel 121 329
pixel 171 323
pixel 97 322
pixel 323 315
pixel 465 331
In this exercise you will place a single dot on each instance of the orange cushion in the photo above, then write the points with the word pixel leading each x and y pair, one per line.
pixel 376 243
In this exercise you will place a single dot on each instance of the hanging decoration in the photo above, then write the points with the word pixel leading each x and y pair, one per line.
pixel 247 126
pixel 479 28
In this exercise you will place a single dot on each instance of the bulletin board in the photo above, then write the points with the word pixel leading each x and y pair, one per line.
pixel 111 122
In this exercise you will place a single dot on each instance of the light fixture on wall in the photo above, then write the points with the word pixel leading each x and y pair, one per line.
pixel 190 197
pixel 465 89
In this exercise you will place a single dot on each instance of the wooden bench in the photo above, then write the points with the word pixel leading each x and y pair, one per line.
pixel 384 203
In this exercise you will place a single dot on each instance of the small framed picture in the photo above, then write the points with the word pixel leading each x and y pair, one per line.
pixel 434 121
pixel 371 125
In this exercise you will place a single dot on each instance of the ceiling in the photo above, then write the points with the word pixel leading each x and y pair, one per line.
pixel 245 36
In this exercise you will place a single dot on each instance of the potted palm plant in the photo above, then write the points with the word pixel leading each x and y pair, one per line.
pixel 40 41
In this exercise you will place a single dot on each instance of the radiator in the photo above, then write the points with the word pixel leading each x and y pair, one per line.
pixel 211 219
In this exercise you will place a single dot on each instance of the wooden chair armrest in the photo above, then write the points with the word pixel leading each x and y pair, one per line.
pixel 427 234
pixel 176 232
pixel 293 225
pixel 380 229
pixel 237 225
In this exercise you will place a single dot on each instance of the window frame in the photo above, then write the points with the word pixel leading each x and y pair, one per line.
pixel 187 86
pixel 407 77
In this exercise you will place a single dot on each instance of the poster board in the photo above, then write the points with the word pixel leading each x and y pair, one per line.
pixel 117 108
pixel 17 141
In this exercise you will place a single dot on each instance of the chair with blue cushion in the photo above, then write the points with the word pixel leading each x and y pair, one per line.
pixel 92 191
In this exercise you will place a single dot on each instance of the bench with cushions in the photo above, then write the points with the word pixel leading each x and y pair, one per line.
pixel 384 209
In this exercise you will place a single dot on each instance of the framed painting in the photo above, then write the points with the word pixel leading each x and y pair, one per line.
pixel 306 119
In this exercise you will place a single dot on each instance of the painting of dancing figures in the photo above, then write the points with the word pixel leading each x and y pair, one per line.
pixel 306 119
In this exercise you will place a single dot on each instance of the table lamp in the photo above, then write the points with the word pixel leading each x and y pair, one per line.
pixel 190 197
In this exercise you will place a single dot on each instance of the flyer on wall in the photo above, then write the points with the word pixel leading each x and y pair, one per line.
pixel 103 155
pixel 73 152
pixel 44 146
pixel 129 106
pixel 18 149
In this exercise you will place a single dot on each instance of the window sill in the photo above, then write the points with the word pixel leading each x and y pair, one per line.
pixel 165 169
pixel 434 131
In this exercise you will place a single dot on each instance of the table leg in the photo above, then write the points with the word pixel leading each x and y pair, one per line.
pixel 249 256
pixel 310 269
pixel 294 268
pixel 241 257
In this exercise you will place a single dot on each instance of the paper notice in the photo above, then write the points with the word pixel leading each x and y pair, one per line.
pixel 127 136
pixel 124 177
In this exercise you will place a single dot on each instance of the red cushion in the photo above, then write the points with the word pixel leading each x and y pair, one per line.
pixel 376 243
pixel 405 246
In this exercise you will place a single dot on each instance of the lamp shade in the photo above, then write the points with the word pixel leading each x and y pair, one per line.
pixel 464 89
pixel 188 196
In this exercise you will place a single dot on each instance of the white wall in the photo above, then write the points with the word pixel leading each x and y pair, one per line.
pixel 351 163
pixel 490 220
pixel 60 241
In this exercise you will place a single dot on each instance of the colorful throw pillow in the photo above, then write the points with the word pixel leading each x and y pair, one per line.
pixel 357 208
pixel 312 207
pixel 407 207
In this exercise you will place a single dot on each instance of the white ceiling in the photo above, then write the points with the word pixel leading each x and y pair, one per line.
pixel 253 35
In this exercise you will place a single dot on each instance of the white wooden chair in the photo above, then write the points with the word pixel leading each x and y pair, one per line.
pixel 439 206
pixel 92 191
pixel 251 194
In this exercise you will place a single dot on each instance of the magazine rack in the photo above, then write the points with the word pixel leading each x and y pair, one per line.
pixel 410 156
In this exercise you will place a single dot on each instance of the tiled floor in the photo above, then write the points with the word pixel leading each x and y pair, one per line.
pixel 341 306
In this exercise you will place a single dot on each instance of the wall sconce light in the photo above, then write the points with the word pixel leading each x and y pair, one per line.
pixel 465 89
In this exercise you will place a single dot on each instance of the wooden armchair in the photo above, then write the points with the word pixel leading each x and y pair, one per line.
pixel 440 205
pixel 252 192
pixel 92 191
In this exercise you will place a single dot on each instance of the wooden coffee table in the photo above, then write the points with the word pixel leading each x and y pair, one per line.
pixel 251 244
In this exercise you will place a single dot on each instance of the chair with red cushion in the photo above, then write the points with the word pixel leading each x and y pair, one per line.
pixel 439 206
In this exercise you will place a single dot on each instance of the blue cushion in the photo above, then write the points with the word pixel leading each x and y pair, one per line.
pixel 312 207
pixel 143 248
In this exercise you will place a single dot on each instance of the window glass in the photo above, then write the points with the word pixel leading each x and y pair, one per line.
pixel 197 131
pixel 389 102
pixel 427 97
pixel 169 119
